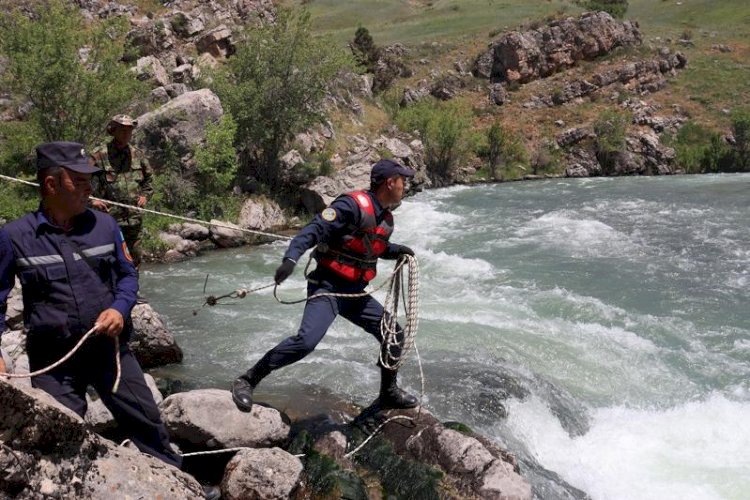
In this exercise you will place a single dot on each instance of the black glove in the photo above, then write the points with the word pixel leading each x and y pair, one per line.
pixel 395 251
pixel 284 271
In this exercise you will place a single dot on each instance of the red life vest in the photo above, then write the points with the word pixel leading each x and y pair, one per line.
pixel 355 257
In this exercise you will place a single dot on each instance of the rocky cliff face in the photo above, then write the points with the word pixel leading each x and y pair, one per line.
pixel 529 55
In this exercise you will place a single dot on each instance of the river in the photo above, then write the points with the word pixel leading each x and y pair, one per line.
pixel 598 327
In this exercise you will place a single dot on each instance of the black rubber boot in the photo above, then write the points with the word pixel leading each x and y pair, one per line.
pixel 242 389
pixel 390 394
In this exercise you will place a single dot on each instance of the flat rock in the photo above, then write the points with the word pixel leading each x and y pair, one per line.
pixel 209 418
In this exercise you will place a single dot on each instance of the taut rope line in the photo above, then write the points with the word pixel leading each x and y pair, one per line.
pixel 165 214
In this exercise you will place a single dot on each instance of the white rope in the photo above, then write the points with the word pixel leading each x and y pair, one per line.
pixel 165 214
pixel 70 354
pixel 397 344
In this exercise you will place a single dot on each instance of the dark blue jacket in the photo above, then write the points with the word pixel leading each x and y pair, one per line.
pixel 347 220
pixel 67 279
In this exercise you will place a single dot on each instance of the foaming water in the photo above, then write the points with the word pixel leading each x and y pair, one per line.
pixel 597 327
pixel 697 450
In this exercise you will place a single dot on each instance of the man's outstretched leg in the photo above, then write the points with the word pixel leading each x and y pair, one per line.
pixel 318 316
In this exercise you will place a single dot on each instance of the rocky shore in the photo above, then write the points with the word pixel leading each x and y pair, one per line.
pixel 48 451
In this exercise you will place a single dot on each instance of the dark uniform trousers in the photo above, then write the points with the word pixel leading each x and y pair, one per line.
pixel 132 405
pixel 365 312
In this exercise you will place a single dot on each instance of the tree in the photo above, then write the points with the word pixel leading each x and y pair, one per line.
pixel 273 87
pixel 443 128
pixel 70 73
pixel 363 47
pixel 615 8
pixel 494 148
pixel 610 131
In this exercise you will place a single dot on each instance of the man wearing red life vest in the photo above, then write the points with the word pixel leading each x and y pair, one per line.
pixel 350 235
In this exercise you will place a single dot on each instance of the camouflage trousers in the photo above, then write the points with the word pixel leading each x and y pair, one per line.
pixel 132 235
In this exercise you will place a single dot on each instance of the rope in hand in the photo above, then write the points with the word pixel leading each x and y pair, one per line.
pixel 69 355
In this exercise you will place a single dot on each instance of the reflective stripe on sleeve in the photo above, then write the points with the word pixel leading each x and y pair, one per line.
pixel 42 260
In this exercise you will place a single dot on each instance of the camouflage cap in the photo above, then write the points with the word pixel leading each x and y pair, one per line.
pixel 121 121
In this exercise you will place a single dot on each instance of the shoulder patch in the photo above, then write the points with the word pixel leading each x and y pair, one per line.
pixel 329 214
pixel 125 249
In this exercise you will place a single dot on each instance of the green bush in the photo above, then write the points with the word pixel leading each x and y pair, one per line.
pixel 273 87
pixel 16 200
pixel 690 144
pixel 610 131
pixel 717 155
pixel 615 8
pixel 442 127
pixel 73 94
pixel 504 152
pixel 217 160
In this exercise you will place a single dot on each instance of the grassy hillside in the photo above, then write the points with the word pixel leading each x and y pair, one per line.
pixel 445 31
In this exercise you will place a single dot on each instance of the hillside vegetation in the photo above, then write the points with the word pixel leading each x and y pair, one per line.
pixel 713 86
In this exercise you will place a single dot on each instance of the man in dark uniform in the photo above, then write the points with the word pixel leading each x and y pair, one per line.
pixel 125 177
pixel 351 234
pixel 76 273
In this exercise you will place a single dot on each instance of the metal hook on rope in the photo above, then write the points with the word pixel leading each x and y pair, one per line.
pixel 240 293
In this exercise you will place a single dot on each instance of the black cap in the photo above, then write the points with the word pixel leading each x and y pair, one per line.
pixel 70 155
pixel 385 169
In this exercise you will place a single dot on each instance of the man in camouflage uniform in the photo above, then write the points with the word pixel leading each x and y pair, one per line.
pixel 125 178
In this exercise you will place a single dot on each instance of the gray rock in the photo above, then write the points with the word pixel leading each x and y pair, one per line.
pixel 209 418
pixel 224 236
pixel 191 231
pixel 217 42
pixel 323 190
pixel 150 69
pixel 466 457
pixel 261 474
pixel 529 55
pixel 396 147
pixel 572 136
pixel 178 126
pixel 262 214
pixel 411 96
pixel 50 452
pixel 14 313
pixel 498 94
pixel 152 344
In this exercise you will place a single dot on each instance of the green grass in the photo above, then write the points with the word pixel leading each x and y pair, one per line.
pixel 413 22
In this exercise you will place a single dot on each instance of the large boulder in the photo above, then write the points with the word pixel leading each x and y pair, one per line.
pixel 468 459
pixel 524 56
pixel 150 69
pixel 323 190
pixel 209 418
pixel 266 474
pixel 224 235
pixel 152 344
pixel 261 214
pixel 175 130
pixel 49 452
pixel 472 468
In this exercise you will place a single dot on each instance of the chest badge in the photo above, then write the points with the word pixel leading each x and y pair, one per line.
pixel 328 215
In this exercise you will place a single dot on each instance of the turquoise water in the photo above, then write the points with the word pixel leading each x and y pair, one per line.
pixel 597 327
